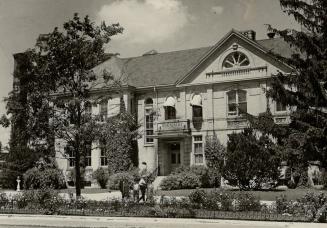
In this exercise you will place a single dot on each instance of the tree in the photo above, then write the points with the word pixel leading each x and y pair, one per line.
pixel 251 160
pixel 304 90
pixel 27 109
pixel 215 153
pixel 64 59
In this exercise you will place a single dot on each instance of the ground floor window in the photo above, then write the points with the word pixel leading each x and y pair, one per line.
pixel 198 149
pixel 103 156
pixel 71 155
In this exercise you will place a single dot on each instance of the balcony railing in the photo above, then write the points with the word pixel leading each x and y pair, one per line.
pixel 173 126
pixel 253 71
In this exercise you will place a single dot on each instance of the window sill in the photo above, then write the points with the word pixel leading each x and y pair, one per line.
pixel 148 145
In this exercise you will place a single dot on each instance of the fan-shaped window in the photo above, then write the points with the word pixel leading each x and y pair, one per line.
pixel 235 59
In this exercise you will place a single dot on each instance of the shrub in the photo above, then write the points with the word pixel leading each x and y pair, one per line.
pixel 102 177
pixel 247 202
pixel 198 197
pixel 185 177
pixel 47 178
pixel 46 199
pixel 190 180
pixel 171 182
pixel 128 177
pixel 323 179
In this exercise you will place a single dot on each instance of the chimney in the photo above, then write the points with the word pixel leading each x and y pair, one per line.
pixel 249 34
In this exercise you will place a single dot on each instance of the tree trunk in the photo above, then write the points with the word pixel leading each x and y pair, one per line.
pixel 78 174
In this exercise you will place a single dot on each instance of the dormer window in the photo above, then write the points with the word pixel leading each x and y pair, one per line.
pixel 235 60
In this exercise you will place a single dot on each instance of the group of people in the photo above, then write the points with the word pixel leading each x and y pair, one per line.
pixel 138 190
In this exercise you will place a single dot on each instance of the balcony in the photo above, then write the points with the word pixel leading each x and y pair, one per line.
pixel 174 128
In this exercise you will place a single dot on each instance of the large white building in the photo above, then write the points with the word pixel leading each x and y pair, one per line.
pixel 180 97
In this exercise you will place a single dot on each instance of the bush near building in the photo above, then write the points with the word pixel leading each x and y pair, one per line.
pixel 102 177
pixel 42 176
pixel 186 177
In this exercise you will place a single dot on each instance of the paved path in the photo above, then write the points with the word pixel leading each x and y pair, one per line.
pixel 29 221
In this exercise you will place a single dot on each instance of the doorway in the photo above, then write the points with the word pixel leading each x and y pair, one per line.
pixel 174 151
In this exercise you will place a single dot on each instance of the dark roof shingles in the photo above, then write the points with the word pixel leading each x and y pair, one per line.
pixel 167 68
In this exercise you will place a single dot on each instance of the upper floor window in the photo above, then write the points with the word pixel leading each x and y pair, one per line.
pixel 196 103
pixel 103 110
pixel 235 59
pixel 237 104
pixel 148 109
pixel 280 107
pixel 170 110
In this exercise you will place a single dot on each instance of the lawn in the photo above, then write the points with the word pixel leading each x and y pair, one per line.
pixel 291 194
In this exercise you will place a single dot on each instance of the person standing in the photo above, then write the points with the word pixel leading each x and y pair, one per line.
pixel 136 190
pixel 142 185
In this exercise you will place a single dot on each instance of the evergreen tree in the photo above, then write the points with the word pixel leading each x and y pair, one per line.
pixel 252 159
pixel 304 90
pixel 214 155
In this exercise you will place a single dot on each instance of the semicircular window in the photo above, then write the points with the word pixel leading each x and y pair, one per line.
pixel 235 59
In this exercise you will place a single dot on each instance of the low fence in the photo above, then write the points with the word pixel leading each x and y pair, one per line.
pixel 129 209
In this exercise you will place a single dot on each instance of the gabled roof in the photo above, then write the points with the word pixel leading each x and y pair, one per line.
pixel 168 68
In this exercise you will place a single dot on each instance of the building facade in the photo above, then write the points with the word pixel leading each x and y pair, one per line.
pixel 181 97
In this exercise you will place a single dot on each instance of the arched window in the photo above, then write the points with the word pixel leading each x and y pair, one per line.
pixel 170 111
pixel 196 104
pixel 235 59
pixel 237 104
pixel 148 110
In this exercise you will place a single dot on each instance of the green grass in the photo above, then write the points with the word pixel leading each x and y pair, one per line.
pixel 291 194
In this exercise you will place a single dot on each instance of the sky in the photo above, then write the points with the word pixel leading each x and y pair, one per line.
pixel 163 25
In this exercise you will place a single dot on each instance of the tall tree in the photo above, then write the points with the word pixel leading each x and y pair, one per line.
pixel 304 90
pixel 62 65
pixel 27 111
pixel 70 57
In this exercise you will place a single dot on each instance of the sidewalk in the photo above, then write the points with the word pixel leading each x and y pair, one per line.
pixel 79 221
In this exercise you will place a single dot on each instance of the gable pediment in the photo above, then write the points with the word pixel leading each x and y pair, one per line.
pixel 234 58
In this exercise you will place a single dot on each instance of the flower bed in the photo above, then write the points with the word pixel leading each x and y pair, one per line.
pixel 199 205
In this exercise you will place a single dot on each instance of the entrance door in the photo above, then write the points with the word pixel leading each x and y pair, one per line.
pixel 175 155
